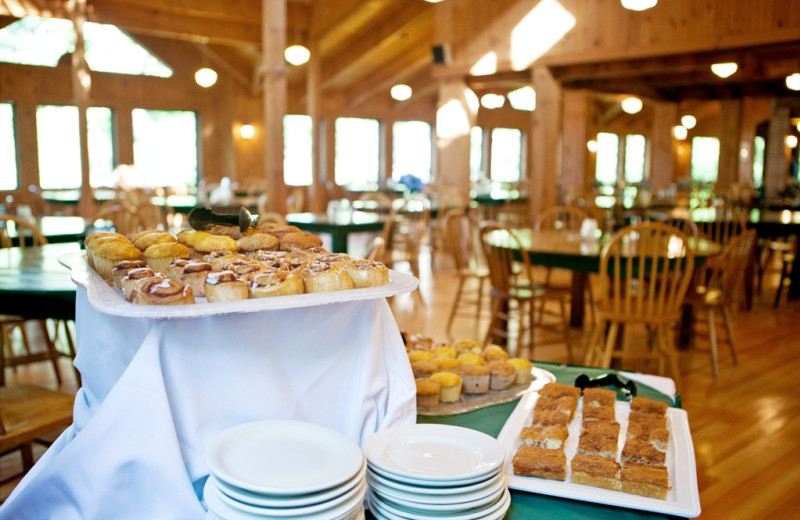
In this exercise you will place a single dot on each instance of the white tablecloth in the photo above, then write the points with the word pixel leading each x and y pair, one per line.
pixel 155 391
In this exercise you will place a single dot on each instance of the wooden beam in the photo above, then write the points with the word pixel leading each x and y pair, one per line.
pixel 274 82
pixel 385 80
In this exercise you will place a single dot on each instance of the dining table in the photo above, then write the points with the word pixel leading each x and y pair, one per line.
pixel 339 226
pixel 55 228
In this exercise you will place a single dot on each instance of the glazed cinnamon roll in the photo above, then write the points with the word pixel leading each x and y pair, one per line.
pixel 323 277
pixel 271 259
pixel 119 271
pixel 367 273
pixel 176 267
pixel 224 286
pixel 163 291
pixel 134 277
pixel 194 275
pixel 219 259
pixel 276 282
pixel 245 270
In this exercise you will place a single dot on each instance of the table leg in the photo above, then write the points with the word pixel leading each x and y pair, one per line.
pixel 339 241
pixel 578 302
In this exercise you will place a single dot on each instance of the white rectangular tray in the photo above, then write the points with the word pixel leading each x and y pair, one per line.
pixel 109 300
pixel 682 500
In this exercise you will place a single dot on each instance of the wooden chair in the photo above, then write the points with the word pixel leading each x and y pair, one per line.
pixel 645 271
pixel 10 324
pixel 719 291
pixel 460 244
pixel 681 219
pixel 122 216
pixel 296 200
pixel 376 249
pixel 513 287
pixel 404 234
pixel 728 222
pixel 27 413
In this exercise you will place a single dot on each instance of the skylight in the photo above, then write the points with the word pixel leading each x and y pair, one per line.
pixel 43 41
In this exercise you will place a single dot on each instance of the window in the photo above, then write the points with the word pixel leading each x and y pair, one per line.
pixel 411 150
pixel 610 148
pixel 357 151
pixel 759 145
pixel 8 148
pixel 44 41
pixel 165 147
pixel 57 133
pixel 506 155
pixel 297 150
pixel 476 171
pixel 705 159
pixel 634 158
pixel 607 158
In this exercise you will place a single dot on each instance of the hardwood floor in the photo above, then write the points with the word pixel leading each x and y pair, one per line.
pixel 745 424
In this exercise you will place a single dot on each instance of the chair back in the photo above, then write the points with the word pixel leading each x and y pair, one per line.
pixel 719 224
pixel 726 275
pixel 459 239
pixel 407 226
pixel 124 218
pixel 382 200
pixel 376 249
pixel 681 219
pixel 645 271
pixel 503 265
pixel 23 229
pixel 560 218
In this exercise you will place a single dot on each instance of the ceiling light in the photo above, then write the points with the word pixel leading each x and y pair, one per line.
pixel 793 81
pixel 724 70
pixel 591 145
pixel 523 98
pixel 680 132
pixel 791 141
pixel 205 77
pixel 401 92
pixel 296 54
pixel 631 105
pixel 689 121
pixel 638 5
pixel 492 101
pixel 247 131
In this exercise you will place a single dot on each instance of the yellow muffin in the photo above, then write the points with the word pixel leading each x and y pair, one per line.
pixel 189 237
pixel 468 358
pixel 108 252
pixel 495 352
pixel 424 368
pixel 476 378
pixel 451 386
pixel 209 243
pixel 428 391
pixel 89 243
pixel 419 355
pixel 145 239
pixel 159 255
pixel 444 351
pixel 446 364
pixel 503 374
pixel 467 345
pixel 523 368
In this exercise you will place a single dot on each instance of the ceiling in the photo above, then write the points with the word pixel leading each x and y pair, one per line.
pixel 363 47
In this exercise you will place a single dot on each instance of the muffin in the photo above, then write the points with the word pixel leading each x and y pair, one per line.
pixel 299 240
pixel 109 251
pixel 424 368
pixel 420 355
pixel 447 364
pixel 523 368
pixel 451 386
pixel 91 240
pixel 503 374
pixel 145 239
pixel 160 255
pixel 467 345
pixel 444 351
pixel 476 379
pixel 494 353
pixel 469 358
pixel 253 242
pixel 189 237
pixel 206 244
pixel 428 391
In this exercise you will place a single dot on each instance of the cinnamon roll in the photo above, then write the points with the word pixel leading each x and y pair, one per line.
pixel 244 269
pixel 194 275
pixel 367 273
pixel 176 267
pixel 276 282
pixel 224 286
pixel 154 291
pixel 323 277
pixel 134 278
pixel 219 259
pixel 271 259
pixel 119 271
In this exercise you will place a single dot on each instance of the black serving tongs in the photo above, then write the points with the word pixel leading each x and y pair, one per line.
pixel 202 218
pixel 628 388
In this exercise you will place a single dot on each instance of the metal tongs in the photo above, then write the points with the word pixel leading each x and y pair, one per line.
pixel 202 218
pixel 628 388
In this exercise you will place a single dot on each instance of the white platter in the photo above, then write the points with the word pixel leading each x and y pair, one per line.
pixel 433 453
pixel 283 458
pixel 109 300
pixel 682 500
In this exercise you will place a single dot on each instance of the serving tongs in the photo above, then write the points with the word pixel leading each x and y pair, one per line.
pixel 203 219
pixel 627 388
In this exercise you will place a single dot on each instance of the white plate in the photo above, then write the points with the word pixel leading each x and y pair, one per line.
pixel 476 501
pixel 258 499
pixel 682 500
pixel 395 511
pixel 433 492
pixel 424 482
pixel 109 300
pixel 434 453
pixel 459 500
pixel 283 457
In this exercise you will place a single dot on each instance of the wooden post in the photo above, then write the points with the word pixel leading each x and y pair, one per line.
pixel 81 85
pixel 576 122
pixel 273 68
pixel 455 116
pixel 662 155
pixel 729 131
pixel 775 156
pixel 543 148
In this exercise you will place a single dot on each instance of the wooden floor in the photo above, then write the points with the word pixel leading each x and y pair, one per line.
pixel 745 424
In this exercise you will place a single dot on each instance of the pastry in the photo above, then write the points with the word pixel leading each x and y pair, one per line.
pixel 160 255
pixel 299 240
pixel 219 259
pixel 503 374
pixel 424 368
pixel 650 420
pixel 495 352
pixel 92 238
pixel 645 480
pixel 176 268
pixel 446 364
pixel 551 437
pixel 638 450
pixel 275 282
pixel 367 273
pixel 476 378
pixel 467 345
pixel 548 417
pixel 566 404
pixel 322 277
pixel 119 271
pixel 658 437
pixel 592 470
pixel 109 251
pixel 420 355
pixel 153 291
pixel 602 442
pixel 644 405
pixel 245 270
pixel 451 386
pixel 229 231
pixel 133 278
pixel 189 237
pixel 598 413
pixel 523 367
pixel 531 461
pixel 444 351
pixel 559 389
pixel 469 358
pixel 206 244
pixel 254 242
pixel 194 275
pixel 428 391
pixel 278 230
pixel 272 259
pixel 599 397
pixel 145 239
pixel 223 286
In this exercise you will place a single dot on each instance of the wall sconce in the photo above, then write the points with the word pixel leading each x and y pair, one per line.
pixel 631 105
pixel 680 132
pixel 247 132
pixel 688 121
pixel 791 141
pixel 793 81
pixel 401 92
pixel 638 5
pixel 724 70
pixel 296 54
pixel 205 77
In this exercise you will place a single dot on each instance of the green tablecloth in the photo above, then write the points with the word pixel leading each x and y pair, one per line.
pixel 490 420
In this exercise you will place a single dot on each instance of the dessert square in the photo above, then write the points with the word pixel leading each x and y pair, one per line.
pixel 530 461
pixel 550 437
pixel 658 437
pixel 559 390
pixel 599 397
pixel 637 450
pixel 644 405
pixel 645 480
pixel 565 404
pixel 548 417
pixel 598 413
pixel 592 470
pixel 601 442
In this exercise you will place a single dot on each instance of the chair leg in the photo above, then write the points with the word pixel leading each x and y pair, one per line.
pixel 611 341
pixel 784 276
pixel 565 324
pixel 51 348
pixel 668 347
pixel 456 302
pixel 595 344
pixel 71 346
pixel 496 307
pixel 712 340
pixel 726 314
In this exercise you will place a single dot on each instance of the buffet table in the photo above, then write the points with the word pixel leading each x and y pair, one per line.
pixel 155 391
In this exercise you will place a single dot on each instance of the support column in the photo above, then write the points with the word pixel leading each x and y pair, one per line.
pixel 544 146
pixel 662 155
pixel 455 116
pixel 273 68
pixel 81 85
pixel 775 155
pixel 730 124
pixel 576 124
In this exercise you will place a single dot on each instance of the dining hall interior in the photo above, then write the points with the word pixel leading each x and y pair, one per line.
pixel 496 156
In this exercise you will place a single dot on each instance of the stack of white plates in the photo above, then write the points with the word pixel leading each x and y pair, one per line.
pixel 430 471
pixel 286 470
